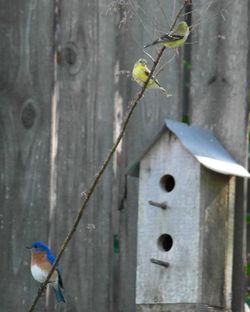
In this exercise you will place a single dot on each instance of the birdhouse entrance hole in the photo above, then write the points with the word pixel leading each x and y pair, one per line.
pixel 167 182
pixel 165 242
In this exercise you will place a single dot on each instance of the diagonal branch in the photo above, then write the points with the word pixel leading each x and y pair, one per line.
pixel 90 191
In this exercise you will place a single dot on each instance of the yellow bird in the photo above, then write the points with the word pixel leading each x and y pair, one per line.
pixel 174 38
pixel 140 74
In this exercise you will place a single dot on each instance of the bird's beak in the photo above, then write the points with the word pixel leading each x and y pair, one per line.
pixel 28 247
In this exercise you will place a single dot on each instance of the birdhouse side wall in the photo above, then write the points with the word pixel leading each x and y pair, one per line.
pixel 217 214
pixel 179 283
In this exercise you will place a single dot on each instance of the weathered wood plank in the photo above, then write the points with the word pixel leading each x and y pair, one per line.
pixel 85 134
pixel 218 96
pixel 218 60
pixel 25 94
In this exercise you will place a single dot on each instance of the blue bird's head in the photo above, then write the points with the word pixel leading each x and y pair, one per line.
pixel 39 246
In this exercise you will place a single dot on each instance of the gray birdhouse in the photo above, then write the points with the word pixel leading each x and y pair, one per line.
pixel 185 222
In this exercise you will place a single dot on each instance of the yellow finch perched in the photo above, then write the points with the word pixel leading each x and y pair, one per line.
pixel 174 38
pixel 140 74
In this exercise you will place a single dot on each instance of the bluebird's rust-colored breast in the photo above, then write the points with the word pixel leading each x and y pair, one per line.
pixel 40 259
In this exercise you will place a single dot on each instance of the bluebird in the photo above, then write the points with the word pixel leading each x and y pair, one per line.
pixel 41 262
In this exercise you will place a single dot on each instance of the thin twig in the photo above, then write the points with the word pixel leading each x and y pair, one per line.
pixel 150 56
pixel 99 174
pixel 164 65
pixel 186 2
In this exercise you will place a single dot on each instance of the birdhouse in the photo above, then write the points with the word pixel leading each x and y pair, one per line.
pixel 185 221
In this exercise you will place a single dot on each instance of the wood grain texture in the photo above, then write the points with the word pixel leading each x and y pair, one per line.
pixel 85 133
pixel 218 98
pixel 216 225
pixel 25 93
pixel 219 59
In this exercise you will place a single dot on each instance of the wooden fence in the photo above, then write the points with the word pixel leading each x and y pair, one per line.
pixel 63 95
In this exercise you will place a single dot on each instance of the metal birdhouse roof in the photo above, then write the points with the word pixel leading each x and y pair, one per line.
pixel 204 146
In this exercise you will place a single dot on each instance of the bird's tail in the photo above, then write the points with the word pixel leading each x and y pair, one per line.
pixel 165 92
pixel 59 294
pixel 151 44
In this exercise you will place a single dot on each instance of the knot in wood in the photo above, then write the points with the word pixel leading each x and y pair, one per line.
pixel 28 115
pixel 69 56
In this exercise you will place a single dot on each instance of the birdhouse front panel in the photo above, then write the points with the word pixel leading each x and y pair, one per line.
pixel 168 224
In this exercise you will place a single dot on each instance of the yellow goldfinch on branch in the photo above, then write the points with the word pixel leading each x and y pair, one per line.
pixel 174 38
pixel 140 74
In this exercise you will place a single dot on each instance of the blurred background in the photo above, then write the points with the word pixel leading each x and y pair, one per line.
pixel 65 84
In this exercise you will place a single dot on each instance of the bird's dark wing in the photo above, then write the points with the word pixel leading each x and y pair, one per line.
pixel 51 259
pixel 152 77
pixel 60 278
pixel 170 37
